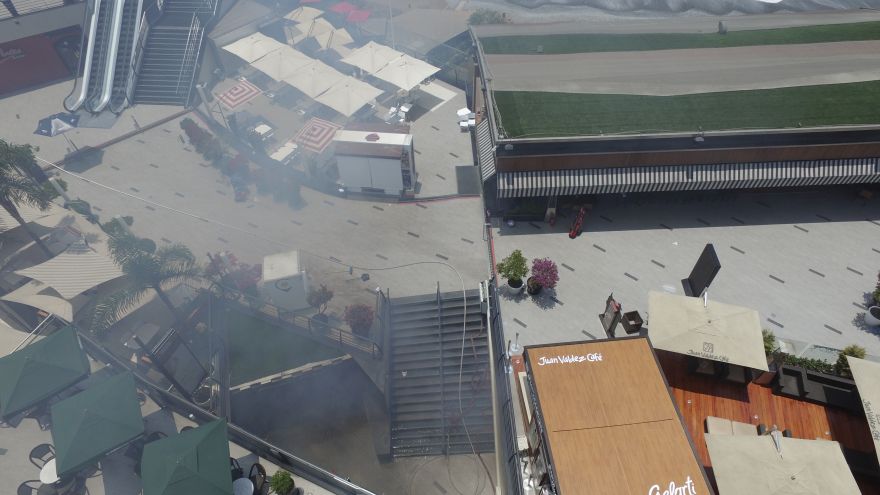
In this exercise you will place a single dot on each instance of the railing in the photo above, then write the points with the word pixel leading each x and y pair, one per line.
pixel 89 36
pixel 445 433
pixel 383 309
pixel 191 55
pixel 344 339
pixel 258 446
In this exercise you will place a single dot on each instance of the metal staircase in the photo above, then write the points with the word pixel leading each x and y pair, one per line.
pixel 170 60
pixel 426 354
pixel 202 8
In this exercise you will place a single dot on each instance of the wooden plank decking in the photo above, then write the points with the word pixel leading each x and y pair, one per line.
pixel 699 396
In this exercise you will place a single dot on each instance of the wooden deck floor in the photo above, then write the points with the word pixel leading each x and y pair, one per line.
pixel 698 397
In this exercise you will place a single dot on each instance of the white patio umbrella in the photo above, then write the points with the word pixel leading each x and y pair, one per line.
pixel 716 331
pixel 333 39
pixel 281 63
pixel 867 377
pixel 372 57
pixel 406 72
pixel 303 14
pixel 348 96
pixel 253 47
pixel 749 465
pixel 314 78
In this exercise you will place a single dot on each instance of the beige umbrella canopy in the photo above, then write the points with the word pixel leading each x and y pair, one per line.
pixel 716 331
pixel 303 14
pixel 751 465
pixel 79 268
pixel 348 96
pixel 867 377
pixel 281 63
pixel 372 57
pixel 333 39
pixel 314 78
pixel 253 47
pixel 406 72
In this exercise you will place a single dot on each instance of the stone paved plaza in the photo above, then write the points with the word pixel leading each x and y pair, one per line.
pixel 804 260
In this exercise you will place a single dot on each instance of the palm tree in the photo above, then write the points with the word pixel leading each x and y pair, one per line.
pixel 145 271
pixel 16 189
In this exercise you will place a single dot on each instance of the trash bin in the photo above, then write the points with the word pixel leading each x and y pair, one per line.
pixel 632 322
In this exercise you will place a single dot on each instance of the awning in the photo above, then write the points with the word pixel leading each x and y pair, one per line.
pixel 486 153
pixel 748 465
pixel 717 331
pixel 867 377
pixel 194 462
pixel 94 422
pixel 687 177
pixel 251 48
pixel 314 78
pixel 303 14
pixel 77 269
pixel 349 95
pixel 358 16
pixel 38 295
pixel 40 370
pixel 406 72
pixel 281 63
pixel 47 218
pixel 372 57
pixel 343 7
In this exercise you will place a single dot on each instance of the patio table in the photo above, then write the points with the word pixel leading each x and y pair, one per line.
pixel 48 475
pixel 243 486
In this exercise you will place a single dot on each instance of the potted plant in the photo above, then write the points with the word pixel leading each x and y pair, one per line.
pixel 872 316
pixel 360 318
pixel 514 269
pixel 544 274
pixel 282 483
pixel 841 367
pixel 319 299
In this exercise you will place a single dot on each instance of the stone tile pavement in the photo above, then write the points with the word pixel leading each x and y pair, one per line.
pixel 804 260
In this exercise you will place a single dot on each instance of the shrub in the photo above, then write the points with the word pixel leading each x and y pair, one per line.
pixel 769 341
pixel 877 290
pixel 809 363
pixel 513 268
pixel 487 16
pixel 83 208
pixel 281 482
pixel 360 318
pixel 841 367
pixel 544 272
pixel 318 299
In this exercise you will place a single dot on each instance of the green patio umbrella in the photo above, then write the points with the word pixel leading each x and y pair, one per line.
pixel 41 370
pixel 95 421
pixel 195 462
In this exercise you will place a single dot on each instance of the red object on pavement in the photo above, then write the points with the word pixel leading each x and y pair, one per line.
pixel 358 16
pixel 578 223
pixel 343 8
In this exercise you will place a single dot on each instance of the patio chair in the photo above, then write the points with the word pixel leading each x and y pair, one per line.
pixel 235 469
pixel 30 487
pixel 41 454
pixel 257 475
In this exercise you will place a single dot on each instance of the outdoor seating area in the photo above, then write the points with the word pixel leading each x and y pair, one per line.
pixel 819 388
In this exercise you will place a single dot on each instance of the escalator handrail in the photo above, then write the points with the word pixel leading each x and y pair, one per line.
pixel 87 62
pixel 130 58
pixel 110 61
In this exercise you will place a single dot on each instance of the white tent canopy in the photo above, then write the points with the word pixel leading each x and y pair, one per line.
pixel 77 269
pixel 406 72
pixel 333 39
pixel 41 296
pixel 349 95
pixel 867 377
pixel 748 465
pixel 372 57
pixel 314 28
pixel 314 78
pixel 303 14
pixel 716 331
pixel 253 47
pixel 47 218
pixel 281 63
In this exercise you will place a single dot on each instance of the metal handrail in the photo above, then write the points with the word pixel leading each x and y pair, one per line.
pixel 87 60
pixel 443 428
pixel 140 29
pixel 341 337
pixel 110 59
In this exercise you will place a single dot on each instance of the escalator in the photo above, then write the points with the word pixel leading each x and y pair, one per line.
pixel 128 37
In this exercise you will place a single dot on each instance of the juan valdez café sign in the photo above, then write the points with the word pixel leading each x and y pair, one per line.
pixel 687 488
pixel 570 359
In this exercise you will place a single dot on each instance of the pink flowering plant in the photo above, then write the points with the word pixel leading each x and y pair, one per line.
pixel 544 272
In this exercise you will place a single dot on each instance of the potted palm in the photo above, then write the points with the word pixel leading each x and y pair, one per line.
pixel 544 274
pixel 514 269
pixel 282 483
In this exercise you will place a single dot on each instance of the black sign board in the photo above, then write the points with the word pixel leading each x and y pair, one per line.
pixel 611 316
pixel 703 273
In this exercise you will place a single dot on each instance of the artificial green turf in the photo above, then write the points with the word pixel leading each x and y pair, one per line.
pixel 538 114
pixel 257 349
pixel 596 42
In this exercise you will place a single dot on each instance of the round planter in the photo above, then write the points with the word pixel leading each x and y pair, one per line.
pixel 514 290
pixel 872 316
pixel 533 288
